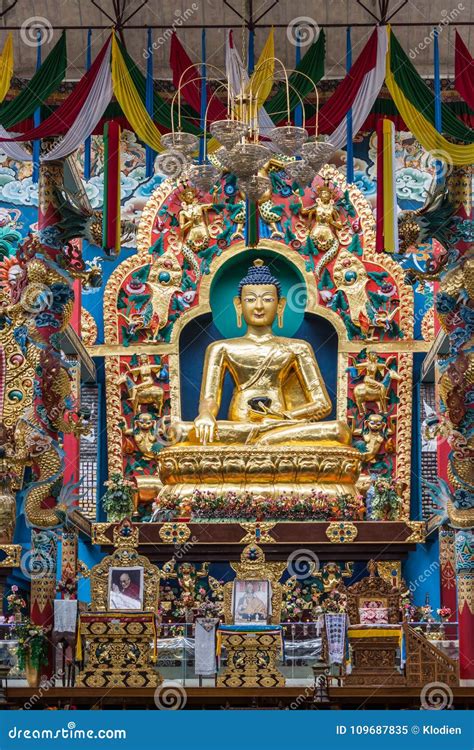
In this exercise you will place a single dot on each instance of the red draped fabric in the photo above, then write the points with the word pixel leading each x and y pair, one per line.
pixel 191 92
pixel 337 106
pixel 59 122
pixel 463 71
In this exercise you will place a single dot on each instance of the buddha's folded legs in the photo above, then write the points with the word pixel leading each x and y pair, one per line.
pixel 306 433
pixel 272 433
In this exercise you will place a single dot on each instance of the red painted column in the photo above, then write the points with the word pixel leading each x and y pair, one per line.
pixel 447 560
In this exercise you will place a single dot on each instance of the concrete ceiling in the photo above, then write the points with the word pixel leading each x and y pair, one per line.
pixel 176 13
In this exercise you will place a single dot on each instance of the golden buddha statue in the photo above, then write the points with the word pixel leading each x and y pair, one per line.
pixel 279 394
pixel 274 433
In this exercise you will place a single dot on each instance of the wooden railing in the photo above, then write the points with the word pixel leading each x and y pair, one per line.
pixel 425 663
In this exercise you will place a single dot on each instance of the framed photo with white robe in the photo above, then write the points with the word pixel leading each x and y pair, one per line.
pixel 125 589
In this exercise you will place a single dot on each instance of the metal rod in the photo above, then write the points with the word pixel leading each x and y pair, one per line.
pixel 84 27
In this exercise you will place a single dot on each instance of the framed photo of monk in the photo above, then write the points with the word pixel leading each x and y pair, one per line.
pixel 125 589
pixel 251 602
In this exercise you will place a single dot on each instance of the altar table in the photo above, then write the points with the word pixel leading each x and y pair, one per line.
pixel 252 652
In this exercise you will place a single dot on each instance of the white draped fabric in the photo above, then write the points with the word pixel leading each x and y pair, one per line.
pixel 93 110
pixel 95 105
pixel 239 78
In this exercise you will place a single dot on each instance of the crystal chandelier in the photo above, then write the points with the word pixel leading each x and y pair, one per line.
pixel 239 145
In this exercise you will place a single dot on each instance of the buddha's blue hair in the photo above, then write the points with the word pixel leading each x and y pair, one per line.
pixel 260 274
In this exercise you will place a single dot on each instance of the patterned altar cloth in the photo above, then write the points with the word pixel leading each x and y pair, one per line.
pixel 242 629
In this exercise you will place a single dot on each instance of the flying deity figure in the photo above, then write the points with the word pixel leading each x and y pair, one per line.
pixel 323 224
pixel 164 281
pixel 193 226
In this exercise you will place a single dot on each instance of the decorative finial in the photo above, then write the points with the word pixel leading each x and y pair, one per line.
pixel 258 263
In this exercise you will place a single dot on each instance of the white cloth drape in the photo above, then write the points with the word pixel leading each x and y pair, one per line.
pixel 367 94
pixel 94 107
pixel 239 78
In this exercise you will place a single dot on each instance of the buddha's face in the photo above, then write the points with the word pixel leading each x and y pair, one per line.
pixel 259 304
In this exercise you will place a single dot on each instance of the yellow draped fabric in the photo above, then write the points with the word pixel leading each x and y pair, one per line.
pixel 261 80
pixel 130 102
pixel 6 67
pixel 423 130
pixel 389 196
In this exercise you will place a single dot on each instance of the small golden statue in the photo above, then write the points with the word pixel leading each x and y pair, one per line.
pixel 323 220
pixel 143 433
pixel 141 386
pixel 372 389
pixel 194 221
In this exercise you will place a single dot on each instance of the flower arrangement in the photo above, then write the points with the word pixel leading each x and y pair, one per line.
pixel 385 499
pixel 118 498
pixel 32 644
pixel 300 602
pixel 209 608
pixel 407 607
pixel 335 602
pixel 15 601
pixel 66 587
pixel 444 612
pixel 317 506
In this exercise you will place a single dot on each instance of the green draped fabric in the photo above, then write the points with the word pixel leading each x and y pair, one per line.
pixel 44 82
pixel 419 95
pixel 312 65
pixel 161 108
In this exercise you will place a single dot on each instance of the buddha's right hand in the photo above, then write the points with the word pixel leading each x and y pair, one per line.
pixel 205 426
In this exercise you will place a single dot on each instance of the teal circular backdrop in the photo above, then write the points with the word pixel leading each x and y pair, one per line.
pixel 226 283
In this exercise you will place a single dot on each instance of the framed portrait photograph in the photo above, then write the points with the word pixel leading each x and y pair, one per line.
pixel 251 602
pixel 125 588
